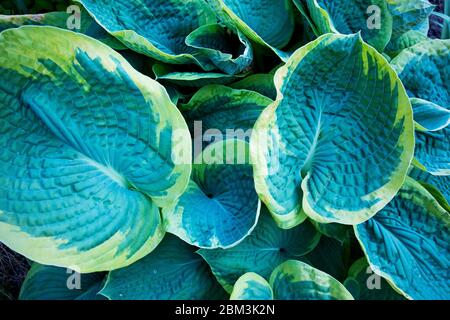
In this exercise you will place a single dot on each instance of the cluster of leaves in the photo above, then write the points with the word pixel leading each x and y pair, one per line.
pixel 341 191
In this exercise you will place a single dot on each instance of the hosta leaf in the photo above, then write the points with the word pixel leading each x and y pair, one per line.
pixel 267 22
pixel 364 284
pixel 430 116
pixel 194 79
pixel 338 142
pixel 263 250
pixel 438 186
pixel 229 52
pixel 406 40
pixel 220 207
pixel 261 83
pixel 251 286
pixel 433 151
pixel 233 112
pixel 295 280
pixel 157 28
pixel 172 272
pixel 370 17
pixel 407 243
pixel 53 283
pixel 86 151
pixel 64 20
pixel 409 15
pixel 424 70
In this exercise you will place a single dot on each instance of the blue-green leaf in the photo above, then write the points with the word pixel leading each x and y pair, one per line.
pixel 261 83
pixel 430 116
pixel 339 140
pixel 229 52
pixel 370 17
pixel 86 150
pixel 251 286
pixel 364 284
pixel 64 20
pixel 263 250
pixel 233 112
pixel 296 280
pixel 172 272
pixel 157 28
pixel 438 186
pixel 220 207
pixel 53 283
pixel 407 243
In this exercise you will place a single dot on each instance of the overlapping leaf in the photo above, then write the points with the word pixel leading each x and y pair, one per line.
pixel 220 207
pixel 407 243
pixel 172 272
pixel 85 150
pixel 263 250
pixel 338 141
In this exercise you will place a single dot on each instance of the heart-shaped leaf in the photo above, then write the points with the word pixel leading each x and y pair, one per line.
pixel 338 141
pixel 220 207
pixel 86 150
pixel 172 272
pixel 407 243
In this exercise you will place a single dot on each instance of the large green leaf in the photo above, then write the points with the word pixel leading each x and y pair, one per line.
pixel 338 142
pixel 251 286
pixel 157 28
pixel 220 207
pixel 267 22
pixel 86 150
pixel 296 280
pixel 233 112
pixel 53 283
pixel 364 284
pixel 407 243
pixel 263 250
pixel 172 272
pixel 370 17
pixel 230 52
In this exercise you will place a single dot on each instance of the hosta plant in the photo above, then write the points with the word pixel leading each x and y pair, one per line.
pixel 224 149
